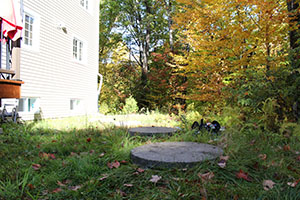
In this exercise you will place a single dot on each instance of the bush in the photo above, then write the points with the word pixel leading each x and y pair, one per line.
pixel 130 106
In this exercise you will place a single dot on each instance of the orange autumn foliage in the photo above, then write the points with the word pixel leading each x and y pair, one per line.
pixel 227 37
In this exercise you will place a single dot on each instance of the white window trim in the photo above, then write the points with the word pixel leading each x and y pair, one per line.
pixel 36 31
pixel 84 50
pixel 36 110
pixel 78 106
pixel 84 6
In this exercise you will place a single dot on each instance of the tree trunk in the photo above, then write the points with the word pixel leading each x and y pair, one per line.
pixel 294 34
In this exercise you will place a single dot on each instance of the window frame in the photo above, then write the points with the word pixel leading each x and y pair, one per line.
pixel 27 106
pixel 85 4
pixel 75 105
pixel 80 55
pixel 35 31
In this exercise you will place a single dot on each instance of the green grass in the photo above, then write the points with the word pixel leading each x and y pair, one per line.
pixel 80 171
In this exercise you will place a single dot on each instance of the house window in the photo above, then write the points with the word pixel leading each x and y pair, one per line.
pixel 84 4
pixel 77 49
pixel 75 104
pixel 31 105
pixel 31 30
pixel 28 29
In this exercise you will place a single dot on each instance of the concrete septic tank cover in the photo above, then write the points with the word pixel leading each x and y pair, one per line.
pixel 151 131
pixel 173 154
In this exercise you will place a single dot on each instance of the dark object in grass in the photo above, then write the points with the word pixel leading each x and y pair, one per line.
pixel 213 127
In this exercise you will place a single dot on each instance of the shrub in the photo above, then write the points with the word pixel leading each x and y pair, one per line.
pixel 130 106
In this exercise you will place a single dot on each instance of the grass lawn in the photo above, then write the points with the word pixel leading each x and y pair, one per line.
pixel 77 159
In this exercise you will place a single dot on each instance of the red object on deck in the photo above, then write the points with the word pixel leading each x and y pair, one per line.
pixel 10 13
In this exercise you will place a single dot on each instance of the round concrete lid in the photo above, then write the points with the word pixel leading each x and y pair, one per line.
pixel 173 154
pixel 151 131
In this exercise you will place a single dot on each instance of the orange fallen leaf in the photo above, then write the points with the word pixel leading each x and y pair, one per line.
pixel 30 186
pixel 286 148
pixel 243 175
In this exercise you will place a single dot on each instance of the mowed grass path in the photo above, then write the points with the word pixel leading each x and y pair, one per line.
pixel 75 159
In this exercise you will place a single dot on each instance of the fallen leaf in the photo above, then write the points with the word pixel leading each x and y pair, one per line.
pixel 51 155
pixel 262 156
pixel 243 175
pixel 222 163
pixel 54 141
pixel 128 185
pixel 268 184
pixel 101 155
pixel 109 165
pixel 60 184
pixel 116 164
pixel 56 190
pixel 92 151
pixel 206 177
pixel 75 188
pixel 36 166
pixel 252 142
pixel 73 154
pixel 88 139
pixel 123 162
pixel 203 192
pixel 178 179
pixel 155 178
pixel 294 184
pixel 224 158
pixel 286 148
pixel 30 186
pixel 104 176
pixel 140 170
pixel 121 193
pixel 45 192
pixel 67 181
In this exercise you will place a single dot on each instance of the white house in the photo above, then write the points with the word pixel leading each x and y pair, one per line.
pixel 59 58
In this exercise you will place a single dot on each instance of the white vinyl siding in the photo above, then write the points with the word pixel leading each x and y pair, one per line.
pixel 51 73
